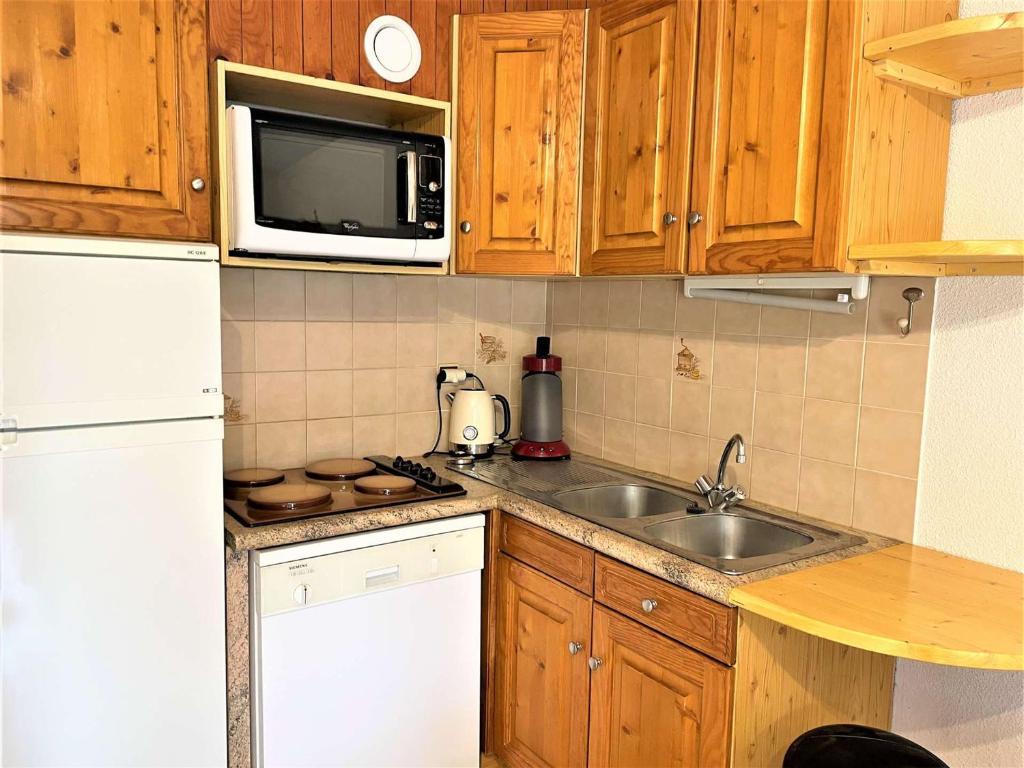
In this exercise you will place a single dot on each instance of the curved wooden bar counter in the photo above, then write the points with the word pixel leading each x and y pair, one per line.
pixel 905 601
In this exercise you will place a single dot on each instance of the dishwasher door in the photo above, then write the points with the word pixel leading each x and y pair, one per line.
pixel 369 656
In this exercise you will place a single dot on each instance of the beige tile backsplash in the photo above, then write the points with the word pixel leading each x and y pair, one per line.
pixel 830 405
pixel 319 364
pixel 324 364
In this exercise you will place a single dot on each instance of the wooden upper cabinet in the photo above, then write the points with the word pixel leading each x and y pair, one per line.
pixel 759 139
pixel 518 116
pixel 104 118
pixel 541 687
pixel 655 702
pixel 799 149
pixel 637 136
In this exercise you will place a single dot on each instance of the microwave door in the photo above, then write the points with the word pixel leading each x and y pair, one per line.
pixel 332 183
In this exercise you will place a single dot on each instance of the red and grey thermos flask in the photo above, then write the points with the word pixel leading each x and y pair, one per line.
pixel 541 433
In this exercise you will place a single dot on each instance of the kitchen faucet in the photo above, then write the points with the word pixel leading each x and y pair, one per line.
pixel 719 497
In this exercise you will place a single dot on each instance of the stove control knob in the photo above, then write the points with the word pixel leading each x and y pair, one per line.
pixel 428 474
pixel 302 594
pixel 416 468
pixel 397 462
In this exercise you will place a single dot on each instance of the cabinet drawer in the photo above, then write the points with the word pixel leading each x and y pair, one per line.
pixel 700 623
pixel 549 553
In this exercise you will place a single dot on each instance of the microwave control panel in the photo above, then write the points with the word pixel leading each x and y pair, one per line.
pixel 430 189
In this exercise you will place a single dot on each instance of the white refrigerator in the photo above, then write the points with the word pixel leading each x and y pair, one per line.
pixel 111 526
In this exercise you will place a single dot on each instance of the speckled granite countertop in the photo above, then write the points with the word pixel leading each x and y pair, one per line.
pixel 481 496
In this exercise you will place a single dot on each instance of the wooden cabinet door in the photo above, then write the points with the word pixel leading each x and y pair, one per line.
pixel 772 106
pixel 654 702
pixel 541 688
pixel 636 144
pixel 518 111
pixel 104 118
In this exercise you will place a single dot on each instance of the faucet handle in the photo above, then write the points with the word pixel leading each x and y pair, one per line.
pixel 703 484
pixel 734 495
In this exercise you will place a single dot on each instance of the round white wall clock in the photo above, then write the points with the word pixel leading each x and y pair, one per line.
pixel 392 48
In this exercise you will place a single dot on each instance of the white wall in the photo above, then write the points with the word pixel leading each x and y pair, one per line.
pixel 971 489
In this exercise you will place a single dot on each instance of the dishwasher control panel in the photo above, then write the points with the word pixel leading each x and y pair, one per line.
pixel 327 578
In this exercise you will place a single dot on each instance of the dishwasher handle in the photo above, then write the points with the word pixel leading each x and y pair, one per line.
pixel 379 577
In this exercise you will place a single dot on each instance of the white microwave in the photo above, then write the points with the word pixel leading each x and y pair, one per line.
pixel 314 188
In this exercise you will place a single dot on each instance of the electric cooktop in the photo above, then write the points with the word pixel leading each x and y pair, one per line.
pixel 262 496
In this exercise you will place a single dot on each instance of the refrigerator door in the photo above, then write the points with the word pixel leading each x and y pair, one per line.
pixel 112 577
pixel 89 338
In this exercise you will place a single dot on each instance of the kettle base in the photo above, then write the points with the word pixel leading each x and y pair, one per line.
pixel 530 450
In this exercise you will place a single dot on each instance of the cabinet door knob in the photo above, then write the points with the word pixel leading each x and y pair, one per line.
pixel 198 184
pixel 466 227
pixel 648 605
pixel 575 647
pixel 669 218
pixel 694 218
pixel 594 662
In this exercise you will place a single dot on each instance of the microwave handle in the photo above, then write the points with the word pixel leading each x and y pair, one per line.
pixel 411 186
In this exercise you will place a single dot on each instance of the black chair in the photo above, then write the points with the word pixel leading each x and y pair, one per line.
pixel 856 746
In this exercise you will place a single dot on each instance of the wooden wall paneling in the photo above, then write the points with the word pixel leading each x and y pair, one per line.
pixel 424 23
pixel 494 6
pixel 515 5
pixel 346 41
pixel 225 25
pixel 788 682
pixel 536 5
pixel 471 6
pixel 288 35
pixel 257 33
pixel 403 10
pixel 443 48
pixel 316 38
pixel 368 11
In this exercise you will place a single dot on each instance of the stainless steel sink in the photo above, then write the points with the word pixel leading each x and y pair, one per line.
pixel 735 542
pixel 727 536
pixel 621 501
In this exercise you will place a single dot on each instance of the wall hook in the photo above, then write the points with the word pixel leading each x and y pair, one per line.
pixel 912 295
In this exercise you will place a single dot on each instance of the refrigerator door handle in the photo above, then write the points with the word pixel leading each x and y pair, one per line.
pixel 8 432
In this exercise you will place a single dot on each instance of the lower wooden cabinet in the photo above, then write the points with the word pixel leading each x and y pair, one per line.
pixel 577 684
pixel 575 680
pixel 654 702
pixel 541 680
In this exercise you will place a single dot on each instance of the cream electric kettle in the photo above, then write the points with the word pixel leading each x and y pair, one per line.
pixel 471 430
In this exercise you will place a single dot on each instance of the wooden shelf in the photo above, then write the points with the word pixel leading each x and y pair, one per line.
pixel 905 601
pixel 940 258
pixel 963 57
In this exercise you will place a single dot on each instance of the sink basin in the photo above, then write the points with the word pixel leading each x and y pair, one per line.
pixel 619 501
pixel 727 537
pixel 737 541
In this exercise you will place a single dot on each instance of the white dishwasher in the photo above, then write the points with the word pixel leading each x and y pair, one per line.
pixel 366 648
